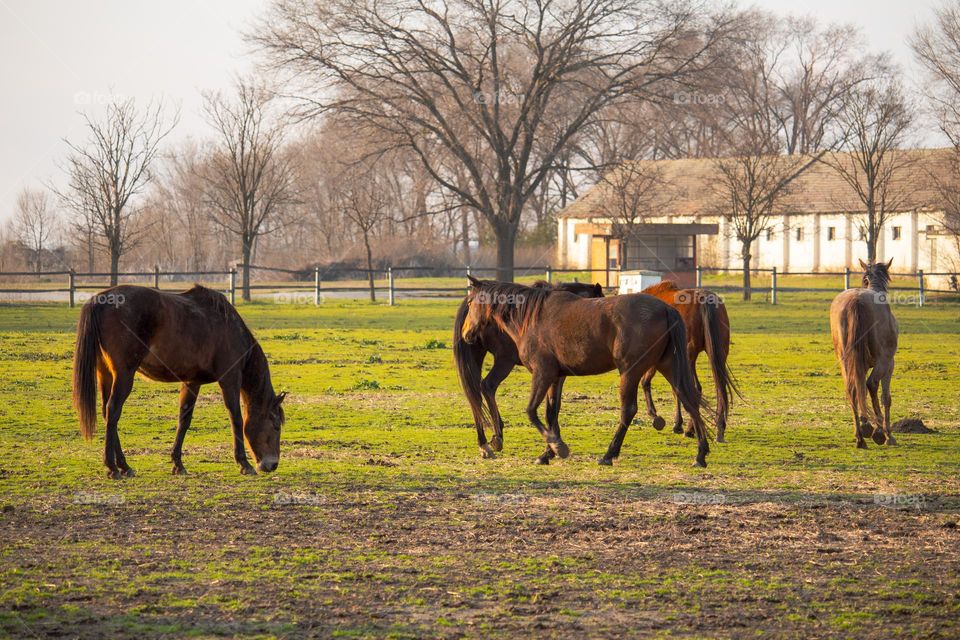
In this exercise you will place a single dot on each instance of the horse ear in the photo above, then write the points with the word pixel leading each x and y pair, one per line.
pixel 598 289
pixel 863 265
pixel 280 397
pixel 889 262
pixel 473 281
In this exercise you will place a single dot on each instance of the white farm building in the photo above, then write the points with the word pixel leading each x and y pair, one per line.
pixel 815 229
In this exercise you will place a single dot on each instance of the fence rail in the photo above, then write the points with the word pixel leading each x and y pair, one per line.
pixel 431 281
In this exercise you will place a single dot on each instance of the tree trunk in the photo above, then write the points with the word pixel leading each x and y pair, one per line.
pixel 114 267
pixel 366 244
pixel 872 246
pixel 245 279
pixel 506 239
pixel 746 272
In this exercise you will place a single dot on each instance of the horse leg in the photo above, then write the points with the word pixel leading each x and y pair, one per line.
pixel 538 391
pixel 497 374
pixel 885 383
pixel 113 457
pixel 677 415
pixel 553 417
pixel 873 385
pixel 658 422
pixel 105 378
pixel 231 398
pixel 628 410
pixel 188 399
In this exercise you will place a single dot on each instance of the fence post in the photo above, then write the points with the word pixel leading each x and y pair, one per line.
pixel 156 276
pixel 233 286
pixel 846 278
pixel 549 274
pixel 773 286
pixel 920 300
pixel 316 286
pixel 71 280
pixel 699 277
pixel 390 285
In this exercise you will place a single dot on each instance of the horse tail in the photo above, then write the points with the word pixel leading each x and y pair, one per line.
pixel 85 368
pixel 468 369
pixel 854 347
pixel 684 383
pixel 716 338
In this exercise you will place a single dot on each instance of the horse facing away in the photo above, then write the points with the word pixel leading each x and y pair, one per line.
pixel 708 330
pixel 505 358
pixel 864 335
pixel 194 338
pixel 559 334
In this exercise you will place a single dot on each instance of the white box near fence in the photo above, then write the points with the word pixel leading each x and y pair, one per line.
pixel 637 281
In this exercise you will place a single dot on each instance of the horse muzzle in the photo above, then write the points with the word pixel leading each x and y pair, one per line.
pixel 268 464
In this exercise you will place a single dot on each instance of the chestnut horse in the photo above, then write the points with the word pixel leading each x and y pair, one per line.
pixel 193 338
pixel 560 334
pixel 505 358
pixel 708 330
pixel 864 335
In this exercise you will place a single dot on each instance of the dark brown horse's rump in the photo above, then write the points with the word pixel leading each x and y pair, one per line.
pixel 194 338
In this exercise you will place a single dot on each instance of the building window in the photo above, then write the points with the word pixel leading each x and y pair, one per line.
pixel 897 232
pixel 769 234
pixel 673 253
pixel 831 233
pixel 799 234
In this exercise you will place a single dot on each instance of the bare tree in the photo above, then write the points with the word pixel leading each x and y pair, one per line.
pixel 249 178
pixel 363 201
pixel 878 120
pixel 752 182
pixel 936 47
pixel 503 87
pixel 34 224
pixel 110 170
pixel 633 192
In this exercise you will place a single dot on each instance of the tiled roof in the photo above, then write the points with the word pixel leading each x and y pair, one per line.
pixel 693 190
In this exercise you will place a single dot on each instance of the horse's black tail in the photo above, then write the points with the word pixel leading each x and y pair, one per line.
pixel 85 368
pixel 469 369
pixel 716 329
pixel 685 384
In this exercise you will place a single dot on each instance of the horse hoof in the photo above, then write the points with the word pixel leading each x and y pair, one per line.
pixel 678 428
pixel 879 436
pixel 700 463
pixel 861 444
pixel 248 470
pixel 542 460
pixel 128 472
pixel 720 438
pixel 178 470
pixel 496 444
pixel 891 441
pixel 659 423
pixel 114 474
pixel 486 452
pixel 689 434
pixel 560 448
pixel 605 462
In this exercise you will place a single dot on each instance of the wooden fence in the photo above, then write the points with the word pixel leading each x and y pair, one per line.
pixel 396 282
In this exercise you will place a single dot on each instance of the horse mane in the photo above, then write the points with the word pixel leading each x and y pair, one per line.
pixel 664 286
pixel 513 304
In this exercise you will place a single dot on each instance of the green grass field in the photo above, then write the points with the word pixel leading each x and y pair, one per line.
pixel 383 520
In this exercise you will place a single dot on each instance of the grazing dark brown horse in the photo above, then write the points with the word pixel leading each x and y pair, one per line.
pixel 505 357
pixel 708 330
pixel 559 334
pixel 865 336
pixel 193 338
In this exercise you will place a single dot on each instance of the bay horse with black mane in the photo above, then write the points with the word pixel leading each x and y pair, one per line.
pixel 559 334
pixel 708 330
pixel 864 335
pixel 505 357
pixel 194 338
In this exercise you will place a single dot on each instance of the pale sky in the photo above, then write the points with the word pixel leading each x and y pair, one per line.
pixel 60 57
